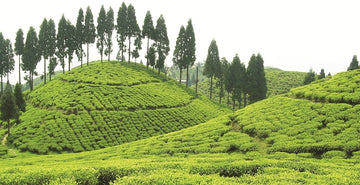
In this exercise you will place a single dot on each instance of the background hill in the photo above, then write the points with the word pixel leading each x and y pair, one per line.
pixel 107 104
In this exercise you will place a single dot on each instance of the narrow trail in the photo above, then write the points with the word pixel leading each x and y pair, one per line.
pixel 3 142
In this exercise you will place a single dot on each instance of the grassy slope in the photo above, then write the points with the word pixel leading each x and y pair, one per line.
pixel 105 105
pixel 278 82
pixel 287 139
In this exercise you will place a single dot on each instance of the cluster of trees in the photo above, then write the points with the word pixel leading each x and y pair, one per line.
pixel 354 64
pixel 243 83
pixel 57 45
pixel 312 76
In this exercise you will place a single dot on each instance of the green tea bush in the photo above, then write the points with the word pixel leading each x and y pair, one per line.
pixel 334 154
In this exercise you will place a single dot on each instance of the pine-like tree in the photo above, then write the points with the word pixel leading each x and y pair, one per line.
pixel 51 38
pixel 80 35
pixel 8 106
pixel 89 30
pixel 221 78
pixel 212 63
pixel 52 65
pixel 190 49
pixel 121 28
pixel 310 77
pixel 19 48
pixel 19 98
pixel 261 77
pixel 152 56
pixel 238 78
pixel 2 62
pixel 354 64
pixel 101 27
pixel 133 29
pixel 322 74
pixel 61 42
pixel 43 43
pixel 70 42
pixel 162 43
pixel 256 87
pixel 31 56
pixel 179 52
pixel 148 31
pixel 8 58
pixel 109 28
pixel 138 41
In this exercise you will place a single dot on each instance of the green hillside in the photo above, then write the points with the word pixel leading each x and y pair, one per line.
pixel 106 104
pixel 278 82
pixel 306 136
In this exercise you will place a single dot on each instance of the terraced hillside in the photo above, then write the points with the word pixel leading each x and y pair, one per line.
pixel 106 104
pixel 302 137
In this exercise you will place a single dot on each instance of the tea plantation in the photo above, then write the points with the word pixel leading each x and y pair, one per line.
pixel 106 104
pixel 294 138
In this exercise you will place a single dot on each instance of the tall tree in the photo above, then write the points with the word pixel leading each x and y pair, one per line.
pixel 228 83
pixel 80 36
pixel 101 26
pixel 310 77
pixel 221 78
pixel 61 42
pixel 52 65
pixel 19 98
pixel 256 88
pixel 51 45
pixel 70 41
pixel 31 56
pixel 43 43
pixel 2 62
pixel 19 48
pixel 354 64
pixel 109 28
pixel 162 42
pixel 179 52
pixel 237 73
pixel 121 28
pixel 148 31
pixel 212 63
pixel 133 29
pixel 89 31
pixel 151 56
pixel 8 58
pixel 8 106
pixel 190 49
pixel 135 53
pixel 322 74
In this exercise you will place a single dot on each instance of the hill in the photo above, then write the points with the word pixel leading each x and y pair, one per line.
pixel 106 104
pixel 303 137
pixel 278 82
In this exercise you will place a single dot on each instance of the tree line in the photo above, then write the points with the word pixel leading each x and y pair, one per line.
pixel 58 45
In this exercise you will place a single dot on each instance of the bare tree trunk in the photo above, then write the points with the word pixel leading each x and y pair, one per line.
pixel 187 76
pixel 130 50
pixel 8 127
pixel 19 69
pixel 211 83
pixel 197 79
pixel 44 71
pixel 81 58
pixel 69 63
pixel 245 100
pixel 2 87
pixel 180 75
pixel 87 56
pixel 147 54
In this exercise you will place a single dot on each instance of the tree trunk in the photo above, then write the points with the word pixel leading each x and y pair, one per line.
pixel 87 56
pixel 147 54
pixel 81 58
pixel 19 69
pixel 122 53
pixel 239 104
pixel 8 127
pixel 228 98
pixel 245 100
pixel 44 71
pixel 130 49
pixel 69 63
pixel 49 76
pixel 233 104
pixel 2 87
pixel 101 56
pixel 31 80
pixel 159 71
pixel 187 76
pixel 180 76
pixel 197 79
pixel 109 58
pixel 211 82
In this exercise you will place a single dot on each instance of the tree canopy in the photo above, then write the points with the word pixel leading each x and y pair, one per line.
pixel 89 30
pixel 354 64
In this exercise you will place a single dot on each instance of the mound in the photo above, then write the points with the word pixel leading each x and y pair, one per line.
pixel 107 104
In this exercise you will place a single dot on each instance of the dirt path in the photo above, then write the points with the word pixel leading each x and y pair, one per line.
pixel 3 142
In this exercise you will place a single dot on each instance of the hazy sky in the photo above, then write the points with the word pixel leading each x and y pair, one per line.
pixel 293 35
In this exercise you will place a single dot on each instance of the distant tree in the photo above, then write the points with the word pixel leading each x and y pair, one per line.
pixel 238 78
pixel 133 29
pixel 256 87
pixel 354 64
pixel 8 106
pixel 221 78
pixel 109 28
pixel 179 52
pixel 189 57
pixel 8 58
pixel 329 74
pixel 43 43
pixel 52 65
pixel 61 42
pixel 101 27
pixel 19 98
pixel 51 38
pixel 135 53
pixel 121 28
pixel 89 31
pixel 80 35
pixel 322 74
pixel 70 41
pixel 228 82
pixel 148 31
pixel 212 63
pixel 162 43
pixel 151 56
pixel 31 56
pixel 19 48
pixel 310 77
pixel 2 62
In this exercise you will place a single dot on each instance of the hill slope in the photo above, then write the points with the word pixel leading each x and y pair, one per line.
pixel 106 104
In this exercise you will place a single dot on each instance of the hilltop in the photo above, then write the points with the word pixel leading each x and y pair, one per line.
pixel 106 104
pixel 310 135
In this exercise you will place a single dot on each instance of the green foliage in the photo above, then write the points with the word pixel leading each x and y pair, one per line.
pixel 179 52
pixel 19 42
pixel 212 64
pixel 89 30
pixel 80 35
pixel 354 64
pixel 19 98
pixel 148 31
pixel 121 28
pixel 256 86
pixel 133 29
pixel 109 28
pixel 8 106
pixel 310 77
pixel 162 43
pixel 101 27
pixel 61 41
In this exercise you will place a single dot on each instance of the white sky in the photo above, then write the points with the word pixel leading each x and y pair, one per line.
pixel 293 35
